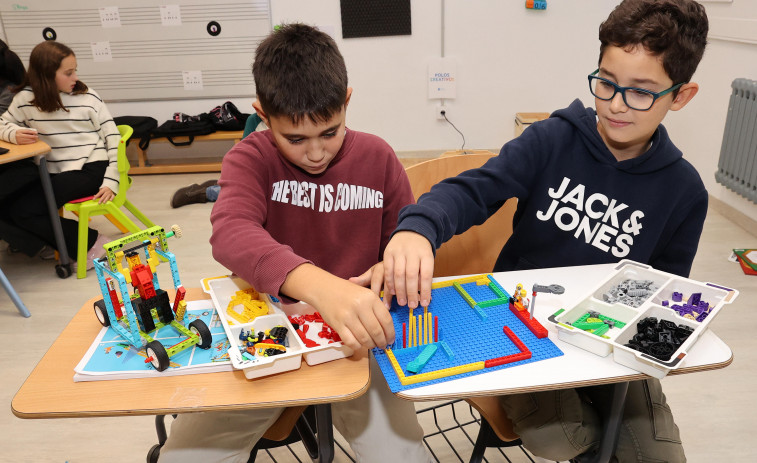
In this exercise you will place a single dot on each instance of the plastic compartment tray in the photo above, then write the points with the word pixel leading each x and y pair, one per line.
pixel 655 300
pixel 223 289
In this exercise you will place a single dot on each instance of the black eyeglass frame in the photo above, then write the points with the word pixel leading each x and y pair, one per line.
pixel 617 88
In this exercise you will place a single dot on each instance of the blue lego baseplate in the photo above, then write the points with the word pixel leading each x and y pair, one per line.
pixel 470 338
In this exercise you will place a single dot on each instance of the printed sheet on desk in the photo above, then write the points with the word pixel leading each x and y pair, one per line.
pixel 470 327
pixel 110 357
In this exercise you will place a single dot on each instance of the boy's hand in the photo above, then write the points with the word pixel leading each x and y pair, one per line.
pixel 356 313
pixel 26 136
pixel 374 278
pixel 408 269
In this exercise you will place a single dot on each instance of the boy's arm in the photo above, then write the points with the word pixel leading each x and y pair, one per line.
pixel 677 254
pixel 356 313
pixel 452 207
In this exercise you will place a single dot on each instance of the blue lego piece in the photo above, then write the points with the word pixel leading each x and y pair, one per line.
pixel 466 334
pixel 447 349
pixel 422 359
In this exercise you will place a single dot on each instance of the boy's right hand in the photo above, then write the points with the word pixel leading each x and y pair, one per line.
pixel 26 136
pixel 355 312
pixel 409 268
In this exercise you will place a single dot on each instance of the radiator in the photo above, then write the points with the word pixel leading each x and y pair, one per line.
pixel 737 166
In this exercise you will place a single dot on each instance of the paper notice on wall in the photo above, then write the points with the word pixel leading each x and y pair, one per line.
pixel 170 15
pixel 442 74
pixel 109 16
pixel 192 80
pixel 101 51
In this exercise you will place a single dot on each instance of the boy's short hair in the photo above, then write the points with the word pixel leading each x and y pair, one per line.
pixel 300 72
pixel 676 30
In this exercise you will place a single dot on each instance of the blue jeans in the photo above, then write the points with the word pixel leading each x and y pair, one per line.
pixel 212 192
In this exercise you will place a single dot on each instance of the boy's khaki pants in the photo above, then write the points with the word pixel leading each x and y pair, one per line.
pixel 562 424
pixel 378 426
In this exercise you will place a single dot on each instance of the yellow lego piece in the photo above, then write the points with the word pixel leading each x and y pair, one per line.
pixel 153 260
pixel 479 279
pixel 405 380
pixel 252 307
pixel 181 310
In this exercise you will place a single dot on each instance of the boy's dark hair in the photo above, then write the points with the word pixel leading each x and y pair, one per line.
pixel 44 62
pixel 676 30
pixel 12 70
pixel 299 72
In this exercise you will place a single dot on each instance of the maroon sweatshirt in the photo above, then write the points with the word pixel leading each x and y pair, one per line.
pixel 271 216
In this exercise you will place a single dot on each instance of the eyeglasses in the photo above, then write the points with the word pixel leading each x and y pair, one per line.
pixel 634 97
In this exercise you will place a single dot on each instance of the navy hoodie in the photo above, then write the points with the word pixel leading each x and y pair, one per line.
pixel 577 205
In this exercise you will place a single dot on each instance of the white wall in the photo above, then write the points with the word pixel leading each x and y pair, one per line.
pixel 509 59
pixel 698 128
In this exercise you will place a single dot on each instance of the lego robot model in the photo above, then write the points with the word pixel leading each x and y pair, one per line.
pixel 139 316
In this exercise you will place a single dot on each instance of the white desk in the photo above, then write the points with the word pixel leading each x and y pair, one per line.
pixel 577 367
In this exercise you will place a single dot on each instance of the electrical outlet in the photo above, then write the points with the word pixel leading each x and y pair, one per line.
pixel 441 111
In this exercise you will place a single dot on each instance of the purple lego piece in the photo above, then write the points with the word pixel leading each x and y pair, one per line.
pixel 702 316
pixel 677 297
pixel 695 298
pixel 665 303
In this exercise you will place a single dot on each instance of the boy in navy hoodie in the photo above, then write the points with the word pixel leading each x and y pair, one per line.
pixel 593 186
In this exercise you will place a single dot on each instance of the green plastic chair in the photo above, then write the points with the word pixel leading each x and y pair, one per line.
pixel 112 209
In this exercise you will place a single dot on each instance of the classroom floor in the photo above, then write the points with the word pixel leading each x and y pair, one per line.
pixel 714 410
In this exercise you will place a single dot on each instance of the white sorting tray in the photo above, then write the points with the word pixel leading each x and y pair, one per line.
pixel 654 297
pixel 223 289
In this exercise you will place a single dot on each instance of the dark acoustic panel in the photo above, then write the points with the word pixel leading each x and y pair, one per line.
pixel 375 18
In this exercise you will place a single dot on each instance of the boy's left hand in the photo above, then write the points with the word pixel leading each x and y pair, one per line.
pixel 374 277
pixel 104 195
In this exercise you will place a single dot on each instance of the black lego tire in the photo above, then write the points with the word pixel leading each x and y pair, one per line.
pixel 101 312
pixel 159 355
pixel 201 329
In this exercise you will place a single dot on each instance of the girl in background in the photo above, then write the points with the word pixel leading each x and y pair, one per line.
pixel 54 106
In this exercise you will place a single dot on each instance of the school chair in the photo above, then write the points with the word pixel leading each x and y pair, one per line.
pixel 474 251
pixel 111 209
pixel 295 424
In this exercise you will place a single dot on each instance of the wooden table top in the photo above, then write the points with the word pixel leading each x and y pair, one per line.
pixel 18 152
pixel 50 391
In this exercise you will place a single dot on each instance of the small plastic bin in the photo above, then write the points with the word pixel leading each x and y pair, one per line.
pixel 223 289
pixel 631 293
pixel 646 363
pixel 587 339
pixel 326 349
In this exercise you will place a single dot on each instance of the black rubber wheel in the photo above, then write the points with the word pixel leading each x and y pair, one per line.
pixel 201 329
pixel 159 355
pixel 154 453
pixel 63 271
pixel 102 313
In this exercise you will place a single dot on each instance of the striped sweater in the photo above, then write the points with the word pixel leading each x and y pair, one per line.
pixel 84 133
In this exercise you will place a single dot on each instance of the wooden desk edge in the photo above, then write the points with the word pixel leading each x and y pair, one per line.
pixel 25 401
pixel 569 385
pixel 19 152
pixel 172 410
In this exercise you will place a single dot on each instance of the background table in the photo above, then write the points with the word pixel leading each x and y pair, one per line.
pixel 38 150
